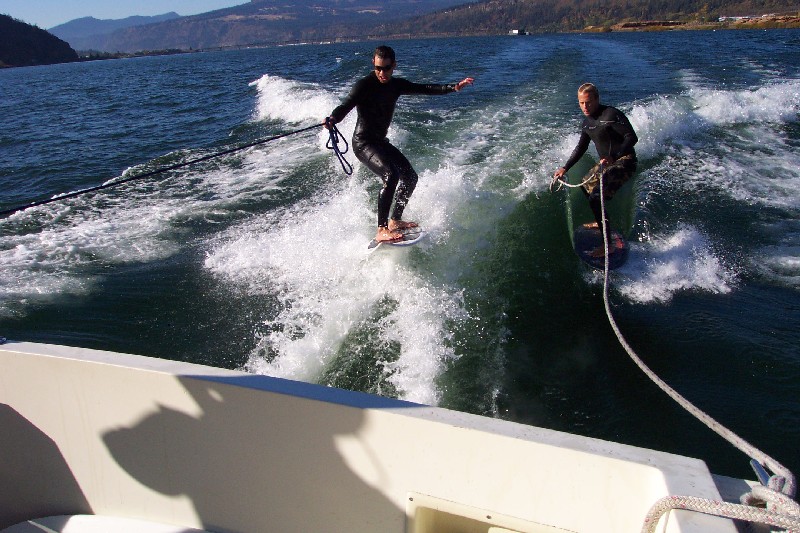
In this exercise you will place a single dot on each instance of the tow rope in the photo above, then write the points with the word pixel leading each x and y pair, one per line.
pixel 769 503
pixel 7 212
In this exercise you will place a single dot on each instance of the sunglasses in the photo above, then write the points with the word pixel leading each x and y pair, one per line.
pixel 386 68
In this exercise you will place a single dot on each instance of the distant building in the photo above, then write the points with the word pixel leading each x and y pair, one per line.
pixel 735 19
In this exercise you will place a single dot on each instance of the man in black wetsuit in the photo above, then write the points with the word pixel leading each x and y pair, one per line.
pixel 374 97
pixel 613 136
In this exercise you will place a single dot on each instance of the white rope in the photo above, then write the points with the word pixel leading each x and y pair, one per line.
pixel 564 183
pixel 785 516
pixel 781 487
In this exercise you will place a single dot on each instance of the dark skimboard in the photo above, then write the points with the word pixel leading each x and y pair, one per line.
pixel 586 240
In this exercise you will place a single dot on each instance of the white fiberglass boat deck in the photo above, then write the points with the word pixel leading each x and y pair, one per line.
pixel 116 435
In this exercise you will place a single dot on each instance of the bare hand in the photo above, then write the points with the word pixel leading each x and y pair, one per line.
pixel 463 83
pixel 557 176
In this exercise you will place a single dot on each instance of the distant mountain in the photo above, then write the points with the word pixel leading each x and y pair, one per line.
pixel 89 33
pixel 23 45
pixel 262 22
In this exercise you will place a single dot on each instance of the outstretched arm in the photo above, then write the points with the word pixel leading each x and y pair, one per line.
pixel 409 87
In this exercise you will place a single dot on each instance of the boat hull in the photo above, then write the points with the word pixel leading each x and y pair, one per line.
pixel 122 435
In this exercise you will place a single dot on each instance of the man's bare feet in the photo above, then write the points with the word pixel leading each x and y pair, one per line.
pixel 615 245
pixel 386 235
pixel 599 253
pixel 591 225
pixel 401 224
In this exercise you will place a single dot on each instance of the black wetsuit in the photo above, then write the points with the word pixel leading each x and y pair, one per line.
pixel 614 138
pixel 375 103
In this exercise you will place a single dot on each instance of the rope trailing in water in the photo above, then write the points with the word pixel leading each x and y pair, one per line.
pixel 154 172
pixel 333 144
pixel 779 489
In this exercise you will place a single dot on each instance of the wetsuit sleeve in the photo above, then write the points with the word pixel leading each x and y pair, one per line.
pixel 580 149
pixel 407 87
pixel 350 101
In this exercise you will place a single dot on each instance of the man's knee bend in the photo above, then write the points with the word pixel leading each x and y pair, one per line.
pixel 390 179
pixel 410 178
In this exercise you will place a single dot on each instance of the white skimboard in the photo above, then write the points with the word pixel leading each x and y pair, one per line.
pixel 411 236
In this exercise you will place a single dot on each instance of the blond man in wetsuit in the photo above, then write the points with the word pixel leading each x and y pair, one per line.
pixel 614 138
pixel 374 98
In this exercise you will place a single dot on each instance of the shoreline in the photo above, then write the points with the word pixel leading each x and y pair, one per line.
pixel 763 22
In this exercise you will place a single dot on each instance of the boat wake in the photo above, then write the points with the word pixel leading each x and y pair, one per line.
pixel 658 269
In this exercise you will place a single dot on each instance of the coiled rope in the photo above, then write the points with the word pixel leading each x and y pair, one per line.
pixel 333 144
pixel 776 491
pixel 57 198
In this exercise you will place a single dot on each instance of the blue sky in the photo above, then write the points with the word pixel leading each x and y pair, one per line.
pixel 49 13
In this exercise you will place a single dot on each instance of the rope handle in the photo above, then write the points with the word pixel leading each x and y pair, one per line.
pixel 564 183
pixel 333 144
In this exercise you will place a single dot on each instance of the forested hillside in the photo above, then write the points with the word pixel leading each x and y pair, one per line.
pixel 500 16
pixel 267 22
pixel 262 22
pixel 24 45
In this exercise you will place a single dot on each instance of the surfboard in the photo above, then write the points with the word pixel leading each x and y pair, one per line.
pixel 586 240
pixel 621 213
pixel 411 236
